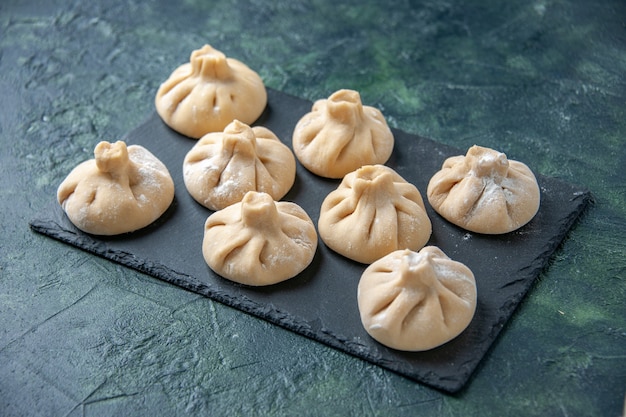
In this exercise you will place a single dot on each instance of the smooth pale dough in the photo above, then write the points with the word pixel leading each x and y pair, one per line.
pixel 340 134
pixel 123 189
pixel 222 167
pixel 373 212
pixel 259 241
pixel 207 93
pixel 484 192
pixel 415 301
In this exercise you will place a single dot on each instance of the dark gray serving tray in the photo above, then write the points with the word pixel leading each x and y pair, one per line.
pixel 320 303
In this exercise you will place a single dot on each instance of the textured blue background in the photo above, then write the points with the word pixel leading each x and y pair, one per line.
pixel 543 81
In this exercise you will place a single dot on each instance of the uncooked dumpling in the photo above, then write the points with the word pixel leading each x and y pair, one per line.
pixel 207 93
pixel 415 301
pixel 222 167
pixel 340 134
pixel 373 212
pixel 484 192
pixel 123 189
pixel 259 241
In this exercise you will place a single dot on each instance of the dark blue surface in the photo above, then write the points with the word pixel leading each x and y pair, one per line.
pixel 543 81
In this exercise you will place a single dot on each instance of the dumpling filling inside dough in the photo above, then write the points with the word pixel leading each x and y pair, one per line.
pixel 123 189
pixel 340 135
pixel 373 212
pixel 259 241
pixel 484 192
pixel 415 301
pixel 210 91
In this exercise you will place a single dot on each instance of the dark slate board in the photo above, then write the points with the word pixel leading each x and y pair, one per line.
pixel 320 303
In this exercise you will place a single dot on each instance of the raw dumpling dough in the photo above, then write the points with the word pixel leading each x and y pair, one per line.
pixel 259 241
pixel 484 192
pixel 415 301
pixel 222 167
pixel 123 189
pixel 208 93
pixel 373 212
pixel 340 135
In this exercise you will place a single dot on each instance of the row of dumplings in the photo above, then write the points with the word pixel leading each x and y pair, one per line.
pixel 483 191
pixel 410 297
